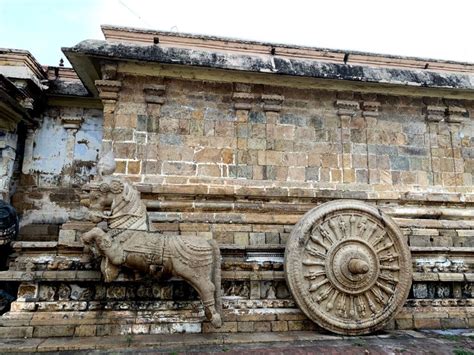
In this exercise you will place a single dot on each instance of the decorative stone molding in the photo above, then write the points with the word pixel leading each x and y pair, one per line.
pixel 257 304
pixel 456 114
pixel 108 89
pixel 154 94
pixel 435 113
pixel 370 108
pixel 444 302
pixel 347 107
pixel 72 122
pixel 243 100
pixel 447 266
pixel 108 92
pixel 272 102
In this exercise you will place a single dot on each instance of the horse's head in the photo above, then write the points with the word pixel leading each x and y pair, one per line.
pixel 100 197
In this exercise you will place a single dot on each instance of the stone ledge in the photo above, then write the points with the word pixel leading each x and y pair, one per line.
pixel 268 64
pixel 192 341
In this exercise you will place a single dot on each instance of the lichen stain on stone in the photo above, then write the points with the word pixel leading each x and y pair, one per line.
pixel 268 63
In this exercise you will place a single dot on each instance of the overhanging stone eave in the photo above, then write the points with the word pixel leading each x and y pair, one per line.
pixel 226 75
pixel 86 56
pixel 85 69
pixel 74 101
pixel 147 36
pixel 11 113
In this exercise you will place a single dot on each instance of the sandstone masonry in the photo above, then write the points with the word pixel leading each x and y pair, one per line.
pixel 233 141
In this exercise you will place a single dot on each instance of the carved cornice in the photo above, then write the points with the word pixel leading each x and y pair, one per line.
pixel 154 94
pixel 72 122
pixel 370 108
pixel 108 89
pixel 435 113
pixel 219 44
pixel 347 107
pixel 243 100
pixel 456 114
pixel 272 102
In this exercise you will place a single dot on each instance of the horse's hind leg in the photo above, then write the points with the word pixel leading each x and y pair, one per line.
pixel 199 279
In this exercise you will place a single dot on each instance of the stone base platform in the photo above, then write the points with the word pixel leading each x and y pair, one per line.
pixel 390 342
pixel 44 324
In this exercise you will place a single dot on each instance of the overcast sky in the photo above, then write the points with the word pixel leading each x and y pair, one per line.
pixel 421 28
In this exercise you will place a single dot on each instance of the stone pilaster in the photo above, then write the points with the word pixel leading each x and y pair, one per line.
pixel 154 99
pixel 434 115
pixel 370 112
pixel 277 137
pixel 346 110
pixel 108 93
pixel 154 95
pixel 454 118
pixel 72 124
pixel 243 101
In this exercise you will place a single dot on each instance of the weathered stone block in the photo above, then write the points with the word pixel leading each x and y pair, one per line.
pixel 404 323
pixel 85 330
pixel 312 174
pixel 227 327
pixel 454 323
pixel 279 326
pixel 420 240
pixel 262 326
pixel 245 327
pixel 66 237
pixel 241 238
pixel 399 163
pixel 53 331
pixel 427 323
pixel 171 168
pixel 257 238
pixel 11 332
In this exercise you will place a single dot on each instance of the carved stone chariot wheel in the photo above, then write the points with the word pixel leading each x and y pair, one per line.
pixel 348 267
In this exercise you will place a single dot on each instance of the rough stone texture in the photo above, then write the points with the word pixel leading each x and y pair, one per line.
pixel 293 67
pixel 132 244
pixel 301 143
pixel 239 158
pixel 348 267
pixel 48 190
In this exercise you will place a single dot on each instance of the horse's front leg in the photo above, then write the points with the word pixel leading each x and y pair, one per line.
pixel 109 270
pixel 88 237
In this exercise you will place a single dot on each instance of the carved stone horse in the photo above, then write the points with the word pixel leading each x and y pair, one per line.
pixel 130 243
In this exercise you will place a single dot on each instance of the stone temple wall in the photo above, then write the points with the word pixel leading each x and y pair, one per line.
pixel 383 146
pixel 240 161
pixel 60 156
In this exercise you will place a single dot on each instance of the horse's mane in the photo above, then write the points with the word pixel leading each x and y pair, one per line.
pixel 128 210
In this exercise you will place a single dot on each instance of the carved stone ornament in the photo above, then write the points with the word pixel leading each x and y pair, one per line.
pixel 348 267
pixel 129 241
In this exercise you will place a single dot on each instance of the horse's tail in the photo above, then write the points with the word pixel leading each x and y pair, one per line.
pixel 216 274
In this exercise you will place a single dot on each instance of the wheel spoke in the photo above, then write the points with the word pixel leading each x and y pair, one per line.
pixel 352 271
